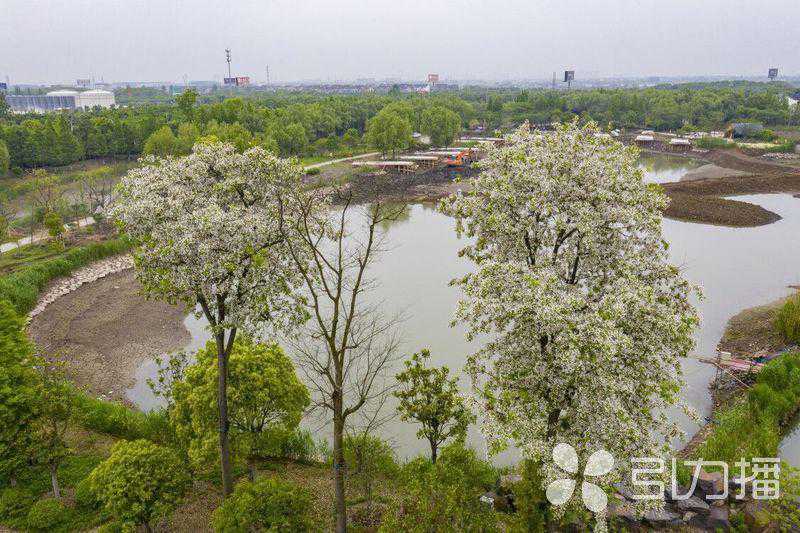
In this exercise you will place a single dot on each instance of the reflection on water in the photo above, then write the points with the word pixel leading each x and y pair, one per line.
pixel 662 168
pixel 737 268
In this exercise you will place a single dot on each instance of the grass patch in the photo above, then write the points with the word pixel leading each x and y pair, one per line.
pixel 120 421
pixel 787 321
pixel 753 425
pixel 711 143
pixel 23 286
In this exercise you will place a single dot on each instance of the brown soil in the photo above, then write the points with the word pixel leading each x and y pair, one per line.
pixel 702 200
pixel 753 331
pixel 105 330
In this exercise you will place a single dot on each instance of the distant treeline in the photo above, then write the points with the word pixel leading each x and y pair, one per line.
pixel 311 123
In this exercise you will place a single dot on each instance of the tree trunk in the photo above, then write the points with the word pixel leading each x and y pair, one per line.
pixel 12 480
pixel 54 481
pixel 339 466
pixel 434 452
pixel 251 469
pixel 147 527
pixel 222 405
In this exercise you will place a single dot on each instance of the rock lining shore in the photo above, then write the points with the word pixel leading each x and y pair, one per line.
pixel 87 274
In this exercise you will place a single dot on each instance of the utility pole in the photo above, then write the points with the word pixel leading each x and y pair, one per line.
pixel 228 59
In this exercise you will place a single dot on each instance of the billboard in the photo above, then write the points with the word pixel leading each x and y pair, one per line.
pixel 569 75
pixel 238 81
pixel 773 73
pixel 433 78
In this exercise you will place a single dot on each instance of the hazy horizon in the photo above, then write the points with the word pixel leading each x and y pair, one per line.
pixel 48 41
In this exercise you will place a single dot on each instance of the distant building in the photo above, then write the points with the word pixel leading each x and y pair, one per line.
pixel 60 101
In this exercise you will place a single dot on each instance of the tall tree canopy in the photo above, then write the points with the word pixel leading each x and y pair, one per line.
pixel 210 232
pixel 441 124
pixel 389 131
pixel 588 320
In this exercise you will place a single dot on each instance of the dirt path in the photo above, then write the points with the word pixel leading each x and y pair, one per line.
pixel 105 330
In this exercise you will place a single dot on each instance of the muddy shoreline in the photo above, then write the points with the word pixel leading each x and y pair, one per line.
pixel 104 330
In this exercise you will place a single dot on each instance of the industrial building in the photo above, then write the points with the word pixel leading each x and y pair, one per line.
pixel 59 101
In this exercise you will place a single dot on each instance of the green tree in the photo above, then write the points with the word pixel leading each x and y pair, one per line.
pixel 20 390
pixel 389 132
pixel 185 102
pixel 54 224
pixel 351 138
pixel 162 143
pixel 5 159
pixel 266 505
pixel 441 124
pixel 56 405
pixel 430 397
pixel 140 482
pixel 265 400
pixel 292 139
pixel 188 133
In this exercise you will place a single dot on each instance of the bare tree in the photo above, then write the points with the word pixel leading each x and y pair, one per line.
pixel 97 187
pixel 349 343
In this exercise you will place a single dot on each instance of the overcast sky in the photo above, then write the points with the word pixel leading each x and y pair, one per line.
pixel 163 40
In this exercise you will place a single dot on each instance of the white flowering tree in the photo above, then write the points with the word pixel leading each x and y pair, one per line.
pixel 209 229
pixel 587 318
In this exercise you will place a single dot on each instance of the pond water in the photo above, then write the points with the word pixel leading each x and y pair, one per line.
pixel 737 268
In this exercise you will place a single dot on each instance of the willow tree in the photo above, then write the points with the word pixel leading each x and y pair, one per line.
pixel 209 229
pixel 587 318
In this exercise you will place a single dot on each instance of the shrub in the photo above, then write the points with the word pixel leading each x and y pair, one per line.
pixel 444 496
pixel 14 503
pixel 140 482
pixel 313 171
pixel 85 498
pixel 22 287
pixel 297 445
pixel 264 505
pixel 788 320
pixel 530 499
pixel 46 515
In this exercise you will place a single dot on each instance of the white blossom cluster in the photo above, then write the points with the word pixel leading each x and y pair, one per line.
pixel 587 318
pixel 210 230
